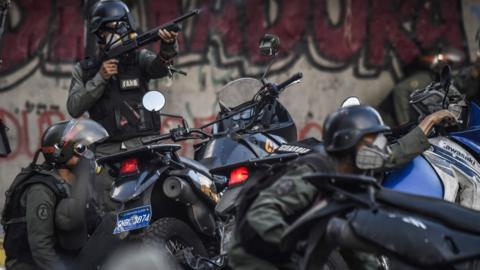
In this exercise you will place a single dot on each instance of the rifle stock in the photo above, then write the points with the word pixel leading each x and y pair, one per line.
pixel 148 37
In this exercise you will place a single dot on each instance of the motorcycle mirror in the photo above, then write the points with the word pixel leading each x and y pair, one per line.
pixel 350 101
pixel 269 45
pixel 153 101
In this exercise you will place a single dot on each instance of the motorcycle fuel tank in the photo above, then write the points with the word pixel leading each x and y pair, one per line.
pixel 417 177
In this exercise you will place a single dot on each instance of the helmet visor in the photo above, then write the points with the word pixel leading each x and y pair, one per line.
pixel 84 131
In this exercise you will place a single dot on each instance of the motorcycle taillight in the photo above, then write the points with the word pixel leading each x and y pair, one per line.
pixel 129 166
pixel 238 176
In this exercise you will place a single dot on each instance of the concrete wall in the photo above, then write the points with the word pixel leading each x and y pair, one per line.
pixel 343 48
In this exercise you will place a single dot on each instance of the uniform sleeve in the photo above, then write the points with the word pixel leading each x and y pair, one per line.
pixel 155 65
pixel 82 96
pixel 40 205
pixel 408 147
pixel 288 196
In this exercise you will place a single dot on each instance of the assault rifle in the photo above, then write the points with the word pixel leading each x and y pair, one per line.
pixel 148 37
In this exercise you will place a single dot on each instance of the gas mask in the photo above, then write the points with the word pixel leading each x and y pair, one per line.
pixel 112 34
pixel 373 156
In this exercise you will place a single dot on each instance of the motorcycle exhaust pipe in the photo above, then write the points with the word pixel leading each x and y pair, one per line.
pixel 339 232
pixel 177 189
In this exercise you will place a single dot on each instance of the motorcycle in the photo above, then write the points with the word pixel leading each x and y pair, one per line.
pixel 251 122
pixel 166 200
pixel 355 212
pixel 449 169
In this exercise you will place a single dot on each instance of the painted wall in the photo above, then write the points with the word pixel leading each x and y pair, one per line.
pixel 343 48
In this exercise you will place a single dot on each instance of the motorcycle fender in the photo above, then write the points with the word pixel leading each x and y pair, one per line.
pixel 124 191
pixel 421 241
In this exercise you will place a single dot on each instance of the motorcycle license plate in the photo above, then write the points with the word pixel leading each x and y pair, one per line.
pixel 133 219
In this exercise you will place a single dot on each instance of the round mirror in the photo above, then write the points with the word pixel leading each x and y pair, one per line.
pixel 351 101
pixel 153 101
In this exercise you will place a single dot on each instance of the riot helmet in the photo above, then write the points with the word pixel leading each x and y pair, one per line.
pixel 343 129
pixel 111 22
pixel 61 141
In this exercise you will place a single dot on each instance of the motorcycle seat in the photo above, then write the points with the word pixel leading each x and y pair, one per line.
pixel 450 214
pixel 193 164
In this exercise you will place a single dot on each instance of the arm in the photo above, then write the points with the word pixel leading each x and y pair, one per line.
pixel 286 197
pixel 82 96
pixel 408 147
pixel 155 66
pixel 40 215
pixel 416 142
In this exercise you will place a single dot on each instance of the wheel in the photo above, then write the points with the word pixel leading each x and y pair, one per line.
pixel 336 262
pixel 176 236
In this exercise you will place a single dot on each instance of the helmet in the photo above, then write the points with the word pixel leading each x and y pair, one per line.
pixel 111 11
pixel 64 139
pixel 343 129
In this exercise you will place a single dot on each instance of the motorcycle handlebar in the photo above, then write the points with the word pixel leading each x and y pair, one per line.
pixel 290 80
pixel 156 139
pixel 184 136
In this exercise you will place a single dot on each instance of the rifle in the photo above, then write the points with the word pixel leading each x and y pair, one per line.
pixel 148 37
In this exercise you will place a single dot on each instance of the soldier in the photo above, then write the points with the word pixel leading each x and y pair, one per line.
pixel 354 142
pixel 45 208
pixel 112 91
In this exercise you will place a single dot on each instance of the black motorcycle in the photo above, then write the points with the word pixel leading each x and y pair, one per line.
pixel 251 123
pixel 404 231
pixel 165 199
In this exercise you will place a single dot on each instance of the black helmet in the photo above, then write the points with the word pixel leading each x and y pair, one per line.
pixel 62 140
pixel 110 11
pixel 343 129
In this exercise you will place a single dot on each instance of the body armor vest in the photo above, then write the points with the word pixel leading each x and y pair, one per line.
pixel 120 110
pixel 13 217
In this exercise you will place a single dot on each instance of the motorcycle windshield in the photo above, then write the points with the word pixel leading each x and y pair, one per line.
pixel 238 92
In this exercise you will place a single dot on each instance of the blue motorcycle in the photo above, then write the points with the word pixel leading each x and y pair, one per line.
pixel 449 169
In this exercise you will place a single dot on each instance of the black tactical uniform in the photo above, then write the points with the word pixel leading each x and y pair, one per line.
pixel 44 215
pixel 117 103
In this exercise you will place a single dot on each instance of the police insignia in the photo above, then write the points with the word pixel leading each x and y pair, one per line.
pixel 43 211
pixel 284 187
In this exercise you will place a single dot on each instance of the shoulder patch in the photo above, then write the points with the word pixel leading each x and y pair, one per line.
pixel 43 211
pixel 284 187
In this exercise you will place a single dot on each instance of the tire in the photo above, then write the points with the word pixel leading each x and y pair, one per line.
pixel 173 234
pixel 336 262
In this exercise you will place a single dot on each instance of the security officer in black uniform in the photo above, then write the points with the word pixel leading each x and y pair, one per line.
pixel 112 91
pixel 353 143
pixel 45 211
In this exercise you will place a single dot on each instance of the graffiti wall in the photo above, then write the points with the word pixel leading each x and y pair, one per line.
pixel 343 48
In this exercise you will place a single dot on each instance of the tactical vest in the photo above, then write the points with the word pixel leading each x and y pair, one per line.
pixel 247 236
pixel 13 216
pixel 120 110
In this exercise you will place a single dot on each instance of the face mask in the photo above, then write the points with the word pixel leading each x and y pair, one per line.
pixel 373 156
pixel 113 33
